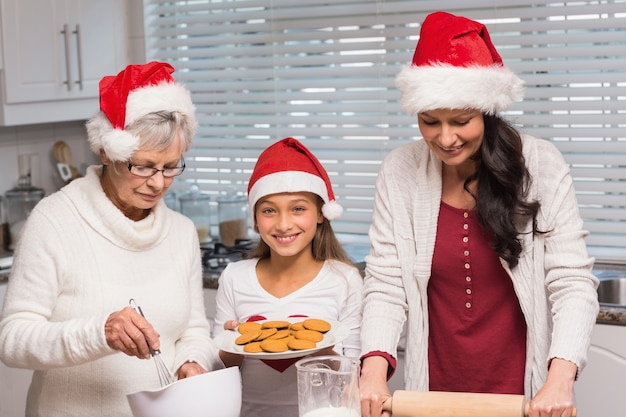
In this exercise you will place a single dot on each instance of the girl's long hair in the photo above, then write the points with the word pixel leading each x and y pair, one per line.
pixel 325 245
pixel 503 184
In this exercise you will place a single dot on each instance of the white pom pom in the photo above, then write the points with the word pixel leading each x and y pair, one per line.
pixel 332 210
pixel 118 144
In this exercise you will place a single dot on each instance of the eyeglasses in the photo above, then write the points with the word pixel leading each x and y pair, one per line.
pixel 147 172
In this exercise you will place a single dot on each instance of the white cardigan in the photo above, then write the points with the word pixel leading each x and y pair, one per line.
pixel 553 280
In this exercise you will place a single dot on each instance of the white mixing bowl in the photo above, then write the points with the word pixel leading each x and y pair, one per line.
pixel 216 393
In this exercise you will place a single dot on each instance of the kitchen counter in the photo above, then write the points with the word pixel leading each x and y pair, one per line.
pixel 615 315
pixel 209 282
pixel 610 314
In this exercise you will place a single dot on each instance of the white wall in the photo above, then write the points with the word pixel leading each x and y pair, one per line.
pixel 39 139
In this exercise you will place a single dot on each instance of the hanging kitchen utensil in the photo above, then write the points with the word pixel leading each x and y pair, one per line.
pixel 451 404
pixel 165 376
pixel 63 155
pixel 64 172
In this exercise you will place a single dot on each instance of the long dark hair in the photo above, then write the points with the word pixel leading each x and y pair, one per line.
pixel 503 184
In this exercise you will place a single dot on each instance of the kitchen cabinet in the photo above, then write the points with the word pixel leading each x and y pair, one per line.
pixel 53 59
pixel 600 388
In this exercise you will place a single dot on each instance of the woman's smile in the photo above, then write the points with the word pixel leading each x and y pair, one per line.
pixel 452 150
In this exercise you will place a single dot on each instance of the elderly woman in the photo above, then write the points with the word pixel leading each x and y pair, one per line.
pixel 100 241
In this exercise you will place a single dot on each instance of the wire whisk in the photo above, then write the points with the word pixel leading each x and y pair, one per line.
pixel 165 376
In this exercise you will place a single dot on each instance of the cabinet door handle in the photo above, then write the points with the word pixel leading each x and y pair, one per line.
pixel 68 69
pixel 79 58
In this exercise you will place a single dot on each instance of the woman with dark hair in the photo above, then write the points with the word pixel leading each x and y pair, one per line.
pixel 476 240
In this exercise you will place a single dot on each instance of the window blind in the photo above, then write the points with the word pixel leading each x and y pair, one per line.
pixel 323 72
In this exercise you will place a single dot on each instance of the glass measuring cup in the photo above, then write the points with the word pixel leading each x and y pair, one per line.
pixel 328 386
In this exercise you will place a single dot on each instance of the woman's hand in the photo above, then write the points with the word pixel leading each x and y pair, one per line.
pixel 189 369
pixel 373 387
pixel 130 333
pixel 555 398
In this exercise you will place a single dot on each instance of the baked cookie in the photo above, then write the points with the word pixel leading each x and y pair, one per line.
pixel 300 344
pixel 252 347
pixel 312 335
pixel 248 327
pixel 280 334
pixel 247 337
pixel 318 325
pixel 274 345
pixel 265 333
pixel 297 326
pixel 276 324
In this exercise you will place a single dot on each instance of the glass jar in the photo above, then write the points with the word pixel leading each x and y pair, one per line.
pixel 19 202
pixel 197 206
pixel 232 212
pixel 171 200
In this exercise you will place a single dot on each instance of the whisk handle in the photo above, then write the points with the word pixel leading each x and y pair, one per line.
pixel 136 307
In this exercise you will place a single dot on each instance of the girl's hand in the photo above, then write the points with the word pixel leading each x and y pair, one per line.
pixel 231 324
pixel 130 333
pixel 230 359
pixel 373 387
pixel 555 398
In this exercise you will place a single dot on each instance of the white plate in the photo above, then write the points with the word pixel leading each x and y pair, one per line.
pixel 337 333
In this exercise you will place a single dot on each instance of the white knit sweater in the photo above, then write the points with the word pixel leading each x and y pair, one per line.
pixel 80 259
pixel 553 281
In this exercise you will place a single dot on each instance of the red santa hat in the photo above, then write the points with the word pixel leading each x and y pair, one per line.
pixel 133 93
pixel 289 167
pixel 456 66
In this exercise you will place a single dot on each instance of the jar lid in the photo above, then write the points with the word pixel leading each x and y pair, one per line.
pixel 24 194
pixel 231 196
pixel 194 194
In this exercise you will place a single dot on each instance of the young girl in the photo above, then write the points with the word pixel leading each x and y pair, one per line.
pixel 299 269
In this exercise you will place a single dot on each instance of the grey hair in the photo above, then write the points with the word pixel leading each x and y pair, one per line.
pixel 158 130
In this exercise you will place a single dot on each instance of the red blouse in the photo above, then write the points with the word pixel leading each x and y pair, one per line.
pixel 477 339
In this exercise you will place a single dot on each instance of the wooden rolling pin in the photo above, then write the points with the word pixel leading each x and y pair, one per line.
pixel 455 404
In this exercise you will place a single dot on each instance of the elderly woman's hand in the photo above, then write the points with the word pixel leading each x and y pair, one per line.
pixel 189 369
pixel 130 333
